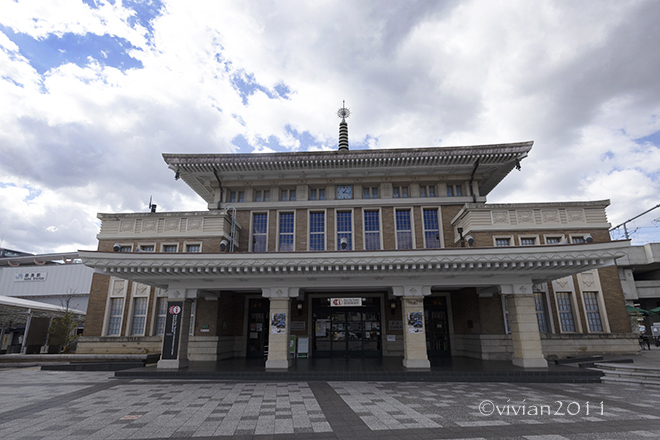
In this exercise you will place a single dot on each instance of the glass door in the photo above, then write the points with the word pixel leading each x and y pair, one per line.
pixel 257 345
pixel 437 326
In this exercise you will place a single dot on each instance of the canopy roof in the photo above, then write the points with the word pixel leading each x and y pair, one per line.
pixel 15 311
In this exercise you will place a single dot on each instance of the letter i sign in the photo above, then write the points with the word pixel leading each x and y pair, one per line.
pixel 175 310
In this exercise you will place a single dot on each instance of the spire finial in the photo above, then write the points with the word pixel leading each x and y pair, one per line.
pixel 343 113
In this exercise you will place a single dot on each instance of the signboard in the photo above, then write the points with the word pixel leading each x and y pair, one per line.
pixel 30 276
pixel 395 325
pixel 345 302
pixel 415 322
pixel 172 330
pixel 303 347
pixel 278 324
pixel 298 326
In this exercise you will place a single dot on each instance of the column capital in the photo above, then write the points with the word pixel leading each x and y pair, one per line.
pixel 517 289
pixel 280 292
pixel 181 294
pixel 411 291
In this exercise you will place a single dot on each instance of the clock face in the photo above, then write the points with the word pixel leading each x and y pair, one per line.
pixel 345 192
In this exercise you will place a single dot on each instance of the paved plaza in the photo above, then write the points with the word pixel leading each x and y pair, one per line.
pixel 52 405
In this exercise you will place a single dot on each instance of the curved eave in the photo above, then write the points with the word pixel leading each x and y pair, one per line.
pixel 495 162
pixel 472 265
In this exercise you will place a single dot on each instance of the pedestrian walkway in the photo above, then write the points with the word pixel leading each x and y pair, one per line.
pixel 94 406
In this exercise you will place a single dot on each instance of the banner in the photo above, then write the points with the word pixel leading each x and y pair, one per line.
pixel 172 330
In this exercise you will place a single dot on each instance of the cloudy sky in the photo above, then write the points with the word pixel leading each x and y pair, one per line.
pixel 92 93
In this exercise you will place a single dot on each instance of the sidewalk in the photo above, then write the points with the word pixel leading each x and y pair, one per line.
pixel 94 406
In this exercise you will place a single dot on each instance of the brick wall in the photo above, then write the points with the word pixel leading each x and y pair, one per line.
pixel 98 296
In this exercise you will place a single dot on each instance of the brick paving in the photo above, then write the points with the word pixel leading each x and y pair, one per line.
pixel 38 404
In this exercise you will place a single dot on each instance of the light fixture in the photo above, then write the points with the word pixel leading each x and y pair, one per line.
pixel 299 306
pixel 393 306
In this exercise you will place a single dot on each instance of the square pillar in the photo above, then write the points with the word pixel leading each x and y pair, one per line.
pixel 527 349
pixel 278 337
pixel 415 355
pixel 174 354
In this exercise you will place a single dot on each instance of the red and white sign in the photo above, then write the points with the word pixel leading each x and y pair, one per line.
pixel 175 310
pixel 345 302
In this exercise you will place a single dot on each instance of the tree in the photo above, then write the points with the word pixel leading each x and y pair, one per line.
pixel 62 332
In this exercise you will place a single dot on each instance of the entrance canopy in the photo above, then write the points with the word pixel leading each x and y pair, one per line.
pixel 15 311
pixel 449 267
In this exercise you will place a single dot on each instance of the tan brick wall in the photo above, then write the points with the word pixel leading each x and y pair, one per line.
pixel 389 228
pixel 330 231
pixel 98 296
pixel 418 225
pixel 358 230
pixel 465 311
pixel 491 313
pixel 614 300
pixel 301 235
pixel 230 309
pixel 448 213
pixel 206 313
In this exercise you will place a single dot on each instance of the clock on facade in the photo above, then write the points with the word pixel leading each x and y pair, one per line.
pixel 344 192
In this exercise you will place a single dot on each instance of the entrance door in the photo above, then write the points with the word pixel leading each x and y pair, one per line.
pixel 347 331
pixel 437 326
pixel 257 343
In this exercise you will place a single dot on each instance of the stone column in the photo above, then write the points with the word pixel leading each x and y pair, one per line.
pixel 415 355
pixel 527 349
pixel 174 354
pixel 279 320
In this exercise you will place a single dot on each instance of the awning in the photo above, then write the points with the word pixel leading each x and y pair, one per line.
pixel 632 309
pixel 15 311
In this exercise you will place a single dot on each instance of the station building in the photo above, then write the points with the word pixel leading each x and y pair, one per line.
pixel 357 253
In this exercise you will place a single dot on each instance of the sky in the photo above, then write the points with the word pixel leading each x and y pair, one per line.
pixel 93 92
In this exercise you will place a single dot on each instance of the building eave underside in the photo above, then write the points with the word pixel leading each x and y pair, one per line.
pixel 448 267
pixel 495 162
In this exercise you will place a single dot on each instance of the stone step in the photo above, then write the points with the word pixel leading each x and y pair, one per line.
pixel 627 368
pixel 629 380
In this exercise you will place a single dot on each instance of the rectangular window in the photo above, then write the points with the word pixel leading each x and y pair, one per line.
pixel 459 191
pixel 371 230
pixel 565 311
pixel 454 191
pixel 400 192
pixel 286 232
pixel 237 196
pixel 427 191
pixel 577 240
pixel 539 303
pixel 317 194
pixel 552 240
pixel 161 315
pixel 502 242
pixel 139 316
pixel 116 312
pixel 370 192
pixel 193 248
pixel 344 230
pixel 593 312
pixel 126 249
pixel 262 196
pixel 288 195
pixel 170 248
pixel 317 231
pixel 259 232
pixel 527 241
pixel 403 229
pixel 146 248
pixel 431 229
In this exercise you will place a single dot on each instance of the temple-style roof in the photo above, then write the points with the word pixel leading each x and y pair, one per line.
pixel 202 171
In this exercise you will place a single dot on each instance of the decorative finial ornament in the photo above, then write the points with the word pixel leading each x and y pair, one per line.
pixel 343 113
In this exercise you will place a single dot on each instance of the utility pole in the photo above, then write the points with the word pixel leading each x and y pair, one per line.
pixel 625 229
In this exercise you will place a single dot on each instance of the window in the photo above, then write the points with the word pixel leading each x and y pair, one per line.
pixel 259 232
pixel 317 231
pixel 593 313
pixel 403 229
pixel 503 241
pixel 578 239
pixel 505 312
pixel 170 248
pixel 139 316
pixel 288 195
pixel 565 307
pixel 236 196
pixel 431 229
pixel 286 232
pixel 370 192
pixel 371 230
pixel 262 196
pixel 427 190
pixel 400 192
pixel 539 303
pixel 191 329
pixel 344 230
pixel 454 191
pixel 317 194
pixel 116 312
pixel 126 248
pixel 194 248
pixel 552 240
pixel 161 315
pixel 527 241
pixel 146 248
